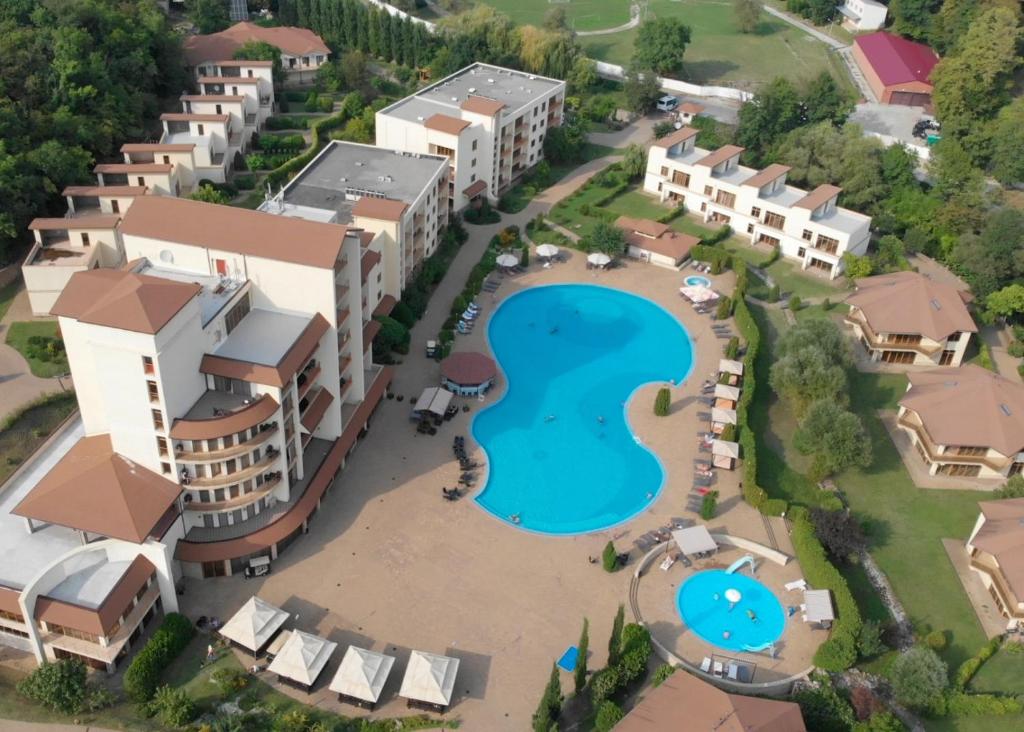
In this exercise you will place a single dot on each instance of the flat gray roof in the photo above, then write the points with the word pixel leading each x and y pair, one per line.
pixel 216 292
pixel 263 337
pixel 515 89
pixel 23 555
pixel 350 167
pixel 90 579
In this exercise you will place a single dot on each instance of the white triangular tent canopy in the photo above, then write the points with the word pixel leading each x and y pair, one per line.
pixel 254 624
pixel 429 678
pixel 725 448
pixel 723 416
pixel 302 657
pixel 362 674
pixel 724 391
pixel 434 399
pixel 728 366
pixel 694 540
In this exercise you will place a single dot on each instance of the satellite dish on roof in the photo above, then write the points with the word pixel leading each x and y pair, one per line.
pixel 678 125
pixel 166 256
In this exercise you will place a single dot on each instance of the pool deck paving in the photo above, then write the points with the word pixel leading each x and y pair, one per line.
pixel 391 566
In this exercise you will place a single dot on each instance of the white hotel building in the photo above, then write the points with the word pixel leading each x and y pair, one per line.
pixel 809 227
pixel 490 122
pixel 223 375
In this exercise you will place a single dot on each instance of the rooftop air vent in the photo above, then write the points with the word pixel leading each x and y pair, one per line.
pixel 455 99
pixel 419 118
pixel 359 163
pixel 490 81
pixel 472 90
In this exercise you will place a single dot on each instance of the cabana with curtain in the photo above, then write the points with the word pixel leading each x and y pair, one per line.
pixel 254 626
pixel 429 681
pixel 724 454
pixel 361 677
pixel 302 659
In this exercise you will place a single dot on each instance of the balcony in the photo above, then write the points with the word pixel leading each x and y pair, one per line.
pixel 315 410
pixel 911 422
pixel 831 247
pixel 343 364
pixel 238 501
pixel 226 479
pixel 219 414
pixel 877 342
pixel 1006 596
pixel 306 380
pixel 226 453
pixel 250 120
pixel 343 314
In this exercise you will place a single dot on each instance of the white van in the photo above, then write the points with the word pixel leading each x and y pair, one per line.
pixel 667 103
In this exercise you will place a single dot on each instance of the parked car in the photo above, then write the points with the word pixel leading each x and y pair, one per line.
pixel 667 103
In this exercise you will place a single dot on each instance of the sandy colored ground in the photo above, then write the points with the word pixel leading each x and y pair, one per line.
pixel 389 565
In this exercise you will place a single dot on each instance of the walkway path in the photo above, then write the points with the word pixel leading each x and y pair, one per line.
pixel 805 27
pixel 17 384
pixel 634 21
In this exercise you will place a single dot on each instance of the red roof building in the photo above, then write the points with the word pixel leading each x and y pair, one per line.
pixel 897 70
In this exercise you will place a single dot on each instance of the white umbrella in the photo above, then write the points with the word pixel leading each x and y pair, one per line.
pixel 698 293
pixel 547 250
pixel 507 260
pixel 599 259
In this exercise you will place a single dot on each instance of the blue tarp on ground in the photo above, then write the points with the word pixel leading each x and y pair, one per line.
pixel 568 660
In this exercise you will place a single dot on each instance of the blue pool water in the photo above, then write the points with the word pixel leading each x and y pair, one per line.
pixel 560 454
pixel 697 281
pixel 709 617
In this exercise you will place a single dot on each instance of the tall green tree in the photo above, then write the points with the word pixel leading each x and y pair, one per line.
pixel 580 672
pixel 634 161
pixel 835 437
pixel 660 45
pixel 641 90
pixel 748 15
pixel 805 376
pixel 959 184
pixel 209 16
pixel 550 705
pixel 993 258
pixel 1007 134
pixel 615 639
pixel 825 101
pixel 774 111
pixel 913 18
pixel 261 51
pixel 606 238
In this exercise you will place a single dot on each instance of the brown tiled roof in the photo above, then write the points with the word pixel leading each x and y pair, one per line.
pixel 1002 536
pixel 183 117
pixel 367 262
pixel 115 298
pixel 383 209
pixel 720 155
pixel 445 123
pixel 9 600
pixel 188 551
pixel 97 490
pixel 365 237
pixel 99 221
pixel 234 98
pixel 680 135
pixel 643 226
pixel 213 427
pixel 691 107
pixel 101 620
pixel 684 702
pixel 228 80
pixel 315 411
pixel 278 375
pixel 385 306
pixel 818 196
pixel 239 230
pixel 214 46
pixel 672 244
pixel 130 147
pixel 104 191
pixel 968 406
pixel 370 330
pixel 133 168
pixel 475 188
pixel 766 176
pixel 908 302
pixel 482 105
pixel 468 368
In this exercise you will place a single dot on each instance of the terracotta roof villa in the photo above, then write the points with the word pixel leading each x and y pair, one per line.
pixel 996 549
pixel 656 243
pixel 906 318
pixel 300 47
pixel 965 422
pixel 684 702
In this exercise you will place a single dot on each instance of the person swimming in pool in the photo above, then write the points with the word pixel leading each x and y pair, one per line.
pixel 751 615
pixel 600 419
pixel 553 330
pixel 550 418
pixel 514 518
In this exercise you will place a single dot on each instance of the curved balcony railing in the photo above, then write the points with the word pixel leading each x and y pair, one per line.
pixel 226 479
pixel 226 453
pixel 222 425
pixel 240 501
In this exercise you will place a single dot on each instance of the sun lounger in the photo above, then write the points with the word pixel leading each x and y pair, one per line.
pixel 800 584
pixel 667 562
pixel 718 669
pixel 643 543
pixel 734 671
pixel 679 523
pixel 686 562
pixel 705 665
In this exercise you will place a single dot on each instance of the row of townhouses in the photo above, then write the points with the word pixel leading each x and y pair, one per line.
pixel 806 226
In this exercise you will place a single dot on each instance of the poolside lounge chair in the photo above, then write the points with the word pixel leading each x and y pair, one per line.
pixel 719 670
pixel 686 562
pixel 800 584
pixel 643 543
pixel 734 671
pixel 679 523
pixel 705 665
pixel 667 562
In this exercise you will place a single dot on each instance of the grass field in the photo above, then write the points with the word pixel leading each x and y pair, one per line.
pixel 25 430
pixel 17 337
pixel 718 53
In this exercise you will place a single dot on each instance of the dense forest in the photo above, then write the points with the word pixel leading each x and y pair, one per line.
pixel 76 80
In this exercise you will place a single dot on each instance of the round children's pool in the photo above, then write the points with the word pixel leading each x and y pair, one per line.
pixel 731 611
pixel 697 281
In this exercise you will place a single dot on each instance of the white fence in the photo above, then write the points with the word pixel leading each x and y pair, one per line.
pixel 616 72
pixel 922 151
pixel 392 10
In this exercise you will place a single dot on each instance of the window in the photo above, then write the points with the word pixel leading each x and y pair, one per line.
pixel 750 228
pixel 147 365
pixel 707 190
pixel 165 468
pixel 664 171
pixel 153 391
pixel 15 617
pixel 236 313
pixel 774 220
pixel 161 446
pixel 319 59
pixel 234 91
pixel 115 207
pixel 472 163
pixel 474 144
pixel 755 212
pixel 201 130
pixel 158 419
pixel 726 199
pixel 807 235
pixel 140 180
pixel 827 244
pixel 248 73
pixel 218 108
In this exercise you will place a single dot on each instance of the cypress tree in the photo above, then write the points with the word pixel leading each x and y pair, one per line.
pixel 550 704
pixel 615 641
pixel 580 672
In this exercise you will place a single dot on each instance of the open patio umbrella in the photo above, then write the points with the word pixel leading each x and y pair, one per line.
pixel 599 259
pixel 547 250
pixel 698 293
pixel 507 260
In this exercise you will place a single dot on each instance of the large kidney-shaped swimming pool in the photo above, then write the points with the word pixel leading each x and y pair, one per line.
pixel 561 457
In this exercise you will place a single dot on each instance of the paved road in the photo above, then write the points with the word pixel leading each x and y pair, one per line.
pixel 805 27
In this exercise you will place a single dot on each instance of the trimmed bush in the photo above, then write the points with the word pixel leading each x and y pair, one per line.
pixel 936 640
pixel 724 309
pixel 968 668
pixel 609 559
pixel 143 674
pixel 608 715
pixel 480 216
pixel 524 258
pixel 663 672
pixel 753 494
pixel 709 505
pixel 245 182
pixel 795 303
pixel 174 707
pixel 662 402
pixel 981 705
pixel 57 685
pixel 774 507
pixel 729 433
pixel 732 348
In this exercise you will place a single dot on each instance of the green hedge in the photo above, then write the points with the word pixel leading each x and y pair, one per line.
pixel 143 674
pixel 981 705
pixel 968 668
pixel 839 652
pixel 320 129
pixel 752 492
pixel 711 254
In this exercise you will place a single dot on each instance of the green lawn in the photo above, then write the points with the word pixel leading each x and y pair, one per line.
pixel 7 295
pixel 718 53
pixel 904 524
pixel 788 275
pixel 18 335
pixel 1004 672
pixel 25 430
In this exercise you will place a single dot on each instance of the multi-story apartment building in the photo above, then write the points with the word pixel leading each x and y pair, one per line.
pixel 965 422
pixel 400 198
pixel 809 227
pixel 223 375
pixel 303 52
pixel 907 318
pixel 490 122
